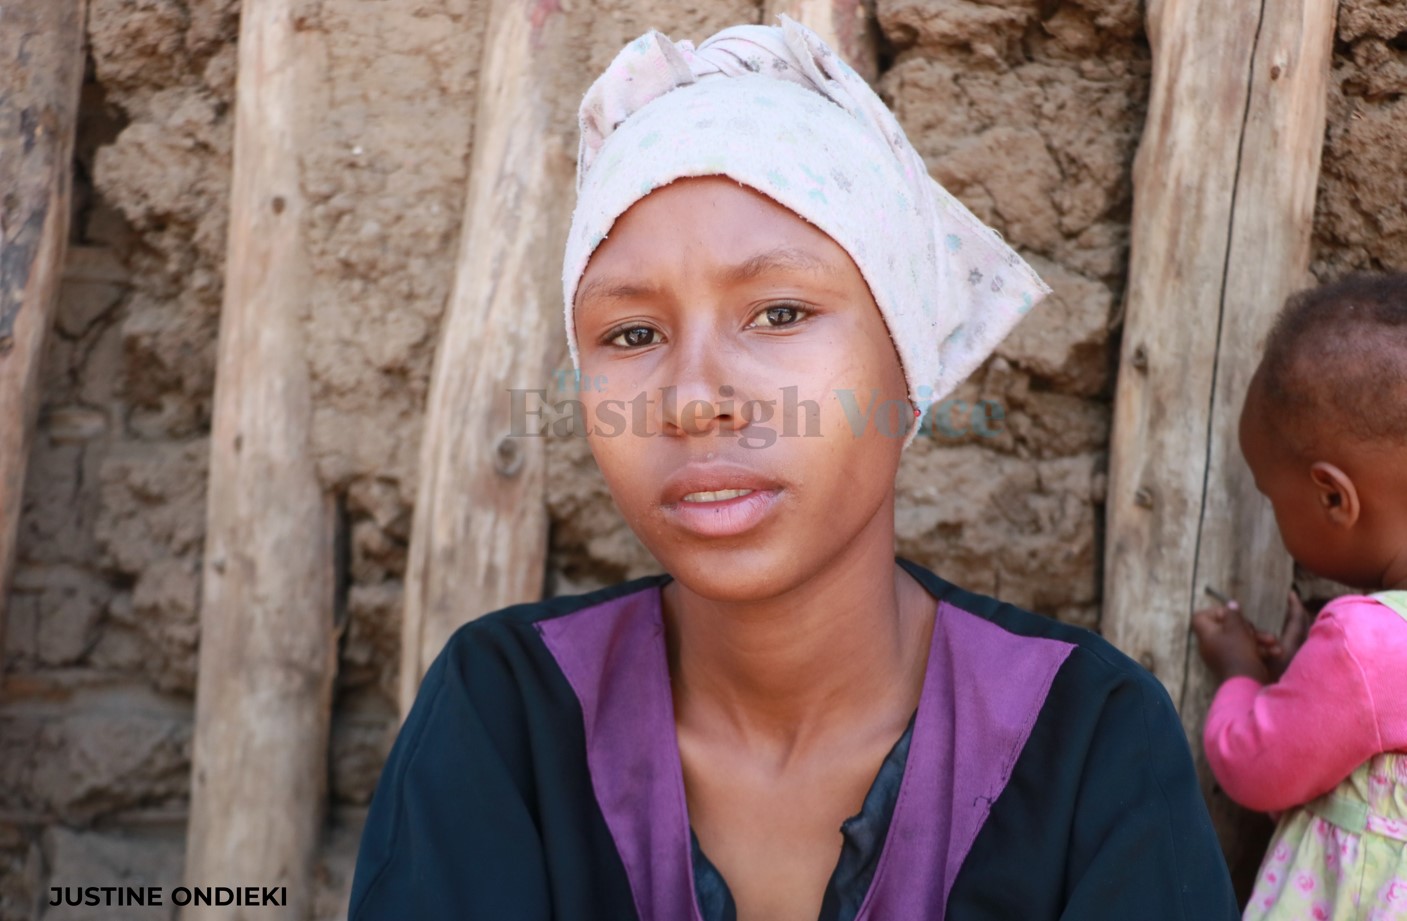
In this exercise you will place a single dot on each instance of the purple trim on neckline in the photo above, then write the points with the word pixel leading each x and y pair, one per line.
pixel 982 691
pixel 613 655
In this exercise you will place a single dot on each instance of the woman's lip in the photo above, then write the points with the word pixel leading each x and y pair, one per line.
pixel 711 477
pixel 725 517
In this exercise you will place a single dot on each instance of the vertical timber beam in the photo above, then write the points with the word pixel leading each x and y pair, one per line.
pixel 1224 187
pixel 479 538
pixel 848 26
pixel 268 643
pixel 1238 544
pixel 41 76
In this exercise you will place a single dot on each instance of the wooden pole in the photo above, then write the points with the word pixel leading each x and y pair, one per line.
pixel 1239 546
pixel 1224 186
pixel 41 77
pixel 268 642
pixel 479 538
pixel 845 25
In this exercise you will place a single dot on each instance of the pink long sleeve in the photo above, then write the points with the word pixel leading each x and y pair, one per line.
pixel 1342 700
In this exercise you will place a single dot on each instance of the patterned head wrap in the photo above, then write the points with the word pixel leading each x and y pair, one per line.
pixel 775 109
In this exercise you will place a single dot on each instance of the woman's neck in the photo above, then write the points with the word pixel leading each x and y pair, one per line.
pixel 844 648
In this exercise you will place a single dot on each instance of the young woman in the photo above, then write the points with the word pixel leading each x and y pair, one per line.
pixel 790 723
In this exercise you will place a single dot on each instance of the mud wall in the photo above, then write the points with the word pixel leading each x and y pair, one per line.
pixel 1028 110
pixel 1360 222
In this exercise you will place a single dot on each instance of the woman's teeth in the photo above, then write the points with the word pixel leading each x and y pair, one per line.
pixel 716 496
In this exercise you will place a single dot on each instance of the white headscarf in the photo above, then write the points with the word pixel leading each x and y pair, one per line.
pixel 793 121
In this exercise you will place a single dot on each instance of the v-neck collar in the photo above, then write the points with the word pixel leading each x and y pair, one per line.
pixel 862 842
pixel 983 688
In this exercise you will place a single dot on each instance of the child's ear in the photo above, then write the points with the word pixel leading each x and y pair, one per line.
pixel 1337 495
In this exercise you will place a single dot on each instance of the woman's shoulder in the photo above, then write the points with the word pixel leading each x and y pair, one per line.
pixel 499 681
pixel 517 623
pixel 1091 658
pixel 490 761
pixel 503 663
pixel 1100 769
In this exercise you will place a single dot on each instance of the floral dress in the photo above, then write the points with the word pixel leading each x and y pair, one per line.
pixel 1342 857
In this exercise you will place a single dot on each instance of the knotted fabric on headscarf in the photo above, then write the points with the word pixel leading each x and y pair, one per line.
pixel 775 109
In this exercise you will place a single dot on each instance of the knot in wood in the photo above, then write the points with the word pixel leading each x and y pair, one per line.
pixel 508 457
pixel 1143 498
pixel 1139 359
pixel 1147 661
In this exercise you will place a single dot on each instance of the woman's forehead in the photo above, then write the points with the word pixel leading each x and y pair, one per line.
pixel 715 229
pixel 714 218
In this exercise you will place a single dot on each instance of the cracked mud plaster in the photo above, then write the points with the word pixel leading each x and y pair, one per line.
pixel 1360 219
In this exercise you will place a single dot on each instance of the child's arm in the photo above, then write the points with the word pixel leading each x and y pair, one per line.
pixel 1280 745
pixel 1277 651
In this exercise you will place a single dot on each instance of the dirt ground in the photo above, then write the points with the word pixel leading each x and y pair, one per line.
pixel 1029 110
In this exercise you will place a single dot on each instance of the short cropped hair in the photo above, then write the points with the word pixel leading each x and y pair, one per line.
pixel 1335 362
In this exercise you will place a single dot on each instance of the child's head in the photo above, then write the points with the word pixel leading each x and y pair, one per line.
pixel 764 281
pixel 1324 428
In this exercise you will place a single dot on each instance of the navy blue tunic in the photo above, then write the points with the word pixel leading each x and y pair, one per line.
pixel 1044 776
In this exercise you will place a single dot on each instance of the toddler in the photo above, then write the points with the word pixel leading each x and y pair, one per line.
pixel 1314 723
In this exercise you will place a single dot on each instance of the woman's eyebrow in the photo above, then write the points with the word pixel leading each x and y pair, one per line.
pixel 613 289
pixel 782 258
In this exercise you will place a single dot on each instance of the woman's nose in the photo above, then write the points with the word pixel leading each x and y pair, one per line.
pixel 697 398
pixel 690 411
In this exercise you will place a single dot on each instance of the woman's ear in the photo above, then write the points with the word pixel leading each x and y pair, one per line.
pixel 1337 495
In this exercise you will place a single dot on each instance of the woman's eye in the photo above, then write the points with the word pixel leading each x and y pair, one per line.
pixel 780 315
pixel 634 337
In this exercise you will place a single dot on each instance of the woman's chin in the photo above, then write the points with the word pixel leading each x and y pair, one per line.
pixel 735 576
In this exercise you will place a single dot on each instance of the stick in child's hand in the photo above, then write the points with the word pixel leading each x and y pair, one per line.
pixel 1221 598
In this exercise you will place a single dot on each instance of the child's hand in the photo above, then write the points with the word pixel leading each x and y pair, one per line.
pixel 1228 643
pixel 1277 651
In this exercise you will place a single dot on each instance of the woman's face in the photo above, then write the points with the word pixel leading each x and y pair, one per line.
pixel 749 408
